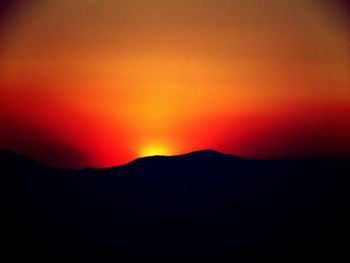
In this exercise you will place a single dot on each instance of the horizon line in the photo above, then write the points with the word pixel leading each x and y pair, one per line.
pixel 305 158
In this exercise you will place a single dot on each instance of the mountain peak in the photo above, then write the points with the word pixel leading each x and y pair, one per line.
pixel 10 158
pixel 196 160
pixel 6 155
pixel 208 153
pixel 205 152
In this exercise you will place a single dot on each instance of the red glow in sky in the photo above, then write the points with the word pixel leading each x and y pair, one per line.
pixel 98 83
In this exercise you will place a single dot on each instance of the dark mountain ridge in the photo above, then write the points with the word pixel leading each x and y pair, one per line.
pixel 201 206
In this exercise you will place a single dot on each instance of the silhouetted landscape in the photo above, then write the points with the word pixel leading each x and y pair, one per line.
pixel 201 206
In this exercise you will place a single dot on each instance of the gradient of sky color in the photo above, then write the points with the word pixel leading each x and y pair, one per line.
pixel 98 83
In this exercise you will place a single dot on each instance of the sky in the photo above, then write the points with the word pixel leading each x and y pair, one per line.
pixel 96 83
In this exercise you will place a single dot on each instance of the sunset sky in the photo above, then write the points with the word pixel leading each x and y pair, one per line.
pixel 92 83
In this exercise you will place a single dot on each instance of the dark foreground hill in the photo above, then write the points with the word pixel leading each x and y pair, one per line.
pixel 204 206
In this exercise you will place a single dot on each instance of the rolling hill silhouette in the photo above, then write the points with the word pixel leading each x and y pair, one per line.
pixel 200 206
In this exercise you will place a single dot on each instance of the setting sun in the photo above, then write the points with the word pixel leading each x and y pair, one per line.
pixel 155 149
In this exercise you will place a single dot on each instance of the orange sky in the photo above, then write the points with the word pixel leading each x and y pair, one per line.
pixel 98 83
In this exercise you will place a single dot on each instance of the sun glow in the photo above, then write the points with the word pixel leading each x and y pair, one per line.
pixel 261 79
pixel 155 149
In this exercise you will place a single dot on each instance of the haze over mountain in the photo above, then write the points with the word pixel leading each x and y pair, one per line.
pixel 200 206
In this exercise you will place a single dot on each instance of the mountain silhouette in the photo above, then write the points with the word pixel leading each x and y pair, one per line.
pixel 200 206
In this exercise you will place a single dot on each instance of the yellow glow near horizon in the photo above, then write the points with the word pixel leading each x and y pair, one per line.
pixel 155 149
pixel 261 79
